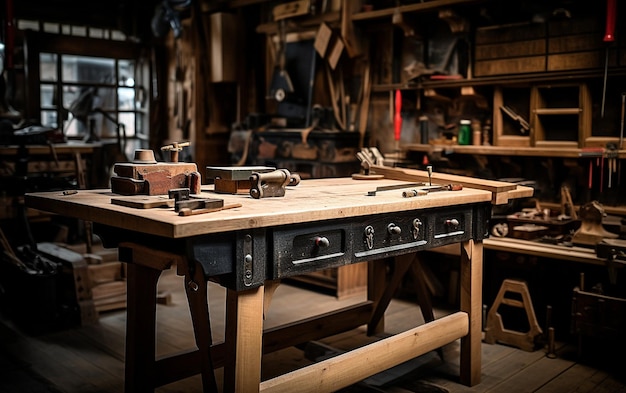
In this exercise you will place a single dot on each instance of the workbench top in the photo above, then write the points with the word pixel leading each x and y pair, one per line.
pixel 310 201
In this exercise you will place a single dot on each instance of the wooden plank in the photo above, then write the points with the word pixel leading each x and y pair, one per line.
pixel 501 191
pixel 572 378
pixel 510 50
pixel 105 272
pixel 551 251
pixel 408 174
pixel 143 201
pixel 348 368
pixel 517 65
pixel 542 370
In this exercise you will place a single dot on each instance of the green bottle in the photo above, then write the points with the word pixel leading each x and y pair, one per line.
pixel 465 132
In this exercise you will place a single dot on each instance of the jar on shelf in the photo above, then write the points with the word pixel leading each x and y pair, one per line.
pixel 465 132
pixel 476 132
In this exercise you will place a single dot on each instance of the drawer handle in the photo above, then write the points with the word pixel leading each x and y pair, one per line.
pixel 417 224
pixel 322 241
pixel 454 223
pixel 393 229
pixel 369 237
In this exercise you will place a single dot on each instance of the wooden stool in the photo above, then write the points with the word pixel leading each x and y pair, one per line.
pixel 495 330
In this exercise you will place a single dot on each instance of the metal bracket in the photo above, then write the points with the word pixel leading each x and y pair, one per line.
pixel 272 184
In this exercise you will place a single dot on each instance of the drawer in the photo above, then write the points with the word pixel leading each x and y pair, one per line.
pixel 392 234
pixel 303 249
pixel 452 226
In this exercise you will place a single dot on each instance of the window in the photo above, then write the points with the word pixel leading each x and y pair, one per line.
pixel 92 89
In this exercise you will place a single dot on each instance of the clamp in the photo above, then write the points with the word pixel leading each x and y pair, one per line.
pixel 174 148
pixel 272 184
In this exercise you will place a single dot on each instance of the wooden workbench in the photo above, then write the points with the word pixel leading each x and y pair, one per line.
pixel 317 225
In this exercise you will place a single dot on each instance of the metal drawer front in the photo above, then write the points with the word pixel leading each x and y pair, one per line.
pixel 390 234
pixel 303 249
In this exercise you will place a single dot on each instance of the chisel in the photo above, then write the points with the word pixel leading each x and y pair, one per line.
pixel 428 190
pixel 394 187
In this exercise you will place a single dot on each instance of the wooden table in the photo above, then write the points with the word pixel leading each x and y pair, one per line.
pixel 319 224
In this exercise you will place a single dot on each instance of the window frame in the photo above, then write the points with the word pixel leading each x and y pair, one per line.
pixel 37 42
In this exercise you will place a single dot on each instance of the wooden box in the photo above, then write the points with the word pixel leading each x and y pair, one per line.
pixel 510 49
pixel 575 44
pixel 598 315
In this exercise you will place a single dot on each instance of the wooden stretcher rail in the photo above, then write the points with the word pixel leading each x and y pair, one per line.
pixel 356 365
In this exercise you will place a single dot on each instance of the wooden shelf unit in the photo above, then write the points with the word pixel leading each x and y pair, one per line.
pixel 561 115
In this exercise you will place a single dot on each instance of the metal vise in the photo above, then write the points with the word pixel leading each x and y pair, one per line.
pixel 272 184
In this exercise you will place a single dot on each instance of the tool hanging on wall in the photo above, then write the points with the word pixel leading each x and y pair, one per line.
pixel 621 140
pixel 281 84
pixel 612 156
pixel 397 119
pixel 609 37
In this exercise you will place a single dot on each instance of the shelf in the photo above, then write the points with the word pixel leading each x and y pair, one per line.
pixel 432 5
pixel 504 80
pixel 502 151
pixel 558 111
pixel 303 23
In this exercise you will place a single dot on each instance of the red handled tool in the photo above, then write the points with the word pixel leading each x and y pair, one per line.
pixel 609 36
pixel 397 119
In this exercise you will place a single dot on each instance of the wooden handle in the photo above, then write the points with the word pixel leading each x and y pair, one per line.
pixel 609 35
pixel 397 120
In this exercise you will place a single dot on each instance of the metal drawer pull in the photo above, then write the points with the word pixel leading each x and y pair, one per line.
pixel 454 223
pixel 322 241
pixel 369 237
pixel 393 229
pixel 417 224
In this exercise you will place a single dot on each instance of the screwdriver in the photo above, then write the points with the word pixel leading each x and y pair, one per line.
pixel 609 36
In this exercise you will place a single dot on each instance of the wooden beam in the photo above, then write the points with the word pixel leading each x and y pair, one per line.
pixel 356 365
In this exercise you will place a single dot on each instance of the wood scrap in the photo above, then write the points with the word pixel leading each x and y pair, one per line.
pixel 192 212
pixel 143 202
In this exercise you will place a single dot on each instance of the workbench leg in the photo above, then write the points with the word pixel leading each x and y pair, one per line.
pixel 471 303
pixel 401 265
pixel 244 340
pixel 423 297
pixel 140 361
pixel 196 289
pixel 376 284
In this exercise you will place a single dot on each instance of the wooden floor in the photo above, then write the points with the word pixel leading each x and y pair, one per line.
pixel 91 358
